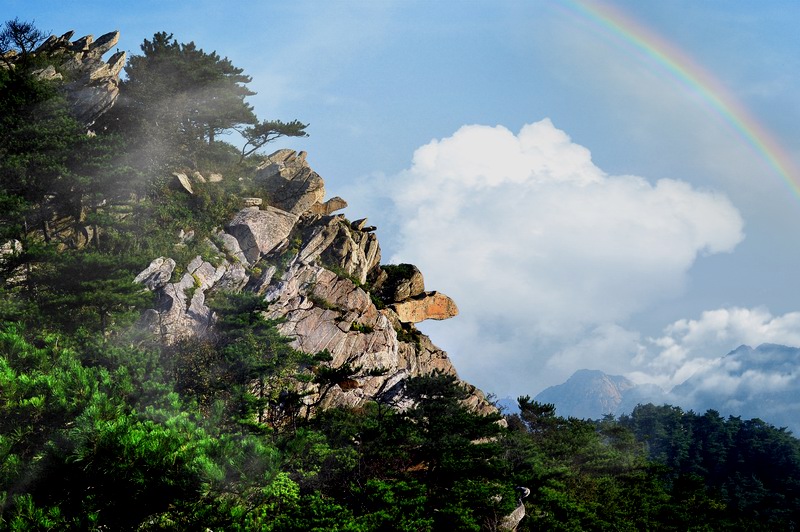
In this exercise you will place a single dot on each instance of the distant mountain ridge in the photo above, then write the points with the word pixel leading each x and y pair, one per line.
pixel 587 394
pixel 761 382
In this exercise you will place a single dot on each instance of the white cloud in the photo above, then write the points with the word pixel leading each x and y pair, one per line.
pixel 537 245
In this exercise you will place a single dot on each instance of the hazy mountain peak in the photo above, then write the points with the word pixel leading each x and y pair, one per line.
pixel 587 394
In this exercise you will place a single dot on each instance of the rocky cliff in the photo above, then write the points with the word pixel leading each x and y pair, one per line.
pixel 319 271
pixel 322 277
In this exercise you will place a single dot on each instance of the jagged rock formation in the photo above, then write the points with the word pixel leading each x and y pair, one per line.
pixel 92 84
pixel 260 231
pixel 322 277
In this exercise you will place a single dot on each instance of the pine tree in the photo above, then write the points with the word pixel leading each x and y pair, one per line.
pixel 178 98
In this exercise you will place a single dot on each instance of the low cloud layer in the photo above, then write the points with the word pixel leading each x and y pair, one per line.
pixel 732 360
pixel 695 346
pixel 541 249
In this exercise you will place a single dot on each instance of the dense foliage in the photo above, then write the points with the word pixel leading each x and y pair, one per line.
pixel 102 429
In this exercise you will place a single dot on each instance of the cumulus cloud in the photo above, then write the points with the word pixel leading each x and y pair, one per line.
pixel 540 248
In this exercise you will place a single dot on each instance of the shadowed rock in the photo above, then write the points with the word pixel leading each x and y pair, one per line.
pixel 401 282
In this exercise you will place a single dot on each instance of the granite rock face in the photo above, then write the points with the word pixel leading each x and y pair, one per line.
pixel 319 272
pixel 156 275
pixel 180 310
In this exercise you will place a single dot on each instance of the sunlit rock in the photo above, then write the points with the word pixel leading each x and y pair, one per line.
pixel 332 205
pixel 157 274
pixel 426 306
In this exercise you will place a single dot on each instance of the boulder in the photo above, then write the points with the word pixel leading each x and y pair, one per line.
pixel 231 247
pixel 234 279
pixel 204 274
pixel 289 183
pixel 426 306
pixel 258 231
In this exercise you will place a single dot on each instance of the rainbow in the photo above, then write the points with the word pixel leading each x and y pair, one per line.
pixel 695 79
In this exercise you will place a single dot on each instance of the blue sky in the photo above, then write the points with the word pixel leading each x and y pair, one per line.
pixel 582 208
